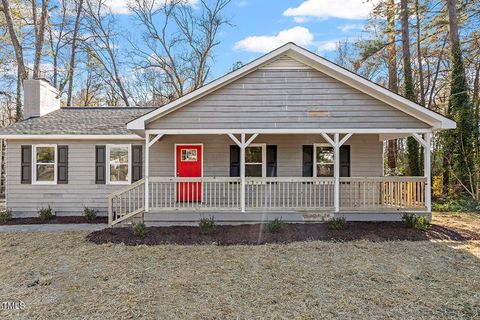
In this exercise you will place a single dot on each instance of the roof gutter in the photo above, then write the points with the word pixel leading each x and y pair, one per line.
pixel 70 137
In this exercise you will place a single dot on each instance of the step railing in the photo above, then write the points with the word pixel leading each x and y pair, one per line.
pixel 382 193
pixel 126 202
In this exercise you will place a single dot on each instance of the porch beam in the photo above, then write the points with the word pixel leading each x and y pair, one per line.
pixel 345 138
pixel 155 139
pixel 328 139
pixel 420 140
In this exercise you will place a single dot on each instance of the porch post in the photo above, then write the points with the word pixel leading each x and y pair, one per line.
pixel 336 171
pixel 242 171
pixel 427 170
pixel 147 165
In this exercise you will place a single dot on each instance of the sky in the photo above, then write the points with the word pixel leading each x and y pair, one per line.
pixel 259 26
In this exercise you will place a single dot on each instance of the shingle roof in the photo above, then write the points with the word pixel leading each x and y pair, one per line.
pixel 79 120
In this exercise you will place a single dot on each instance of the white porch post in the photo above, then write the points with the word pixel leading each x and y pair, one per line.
pixel 243 144
pixel 242 172
pixel 336 144
pixel 336 171
pixel 427 170
pixel 147 167
pixel 426 143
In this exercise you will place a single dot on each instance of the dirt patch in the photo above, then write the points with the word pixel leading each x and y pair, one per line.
pixel 59 275
pixel 255 234
pixel 54 220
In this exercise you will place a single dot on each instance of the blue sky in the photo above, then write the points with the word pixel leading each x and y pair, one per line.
pixel 262 25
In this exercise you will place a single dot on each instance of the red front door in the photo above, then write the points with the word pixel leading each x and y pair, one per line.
pixel 189 165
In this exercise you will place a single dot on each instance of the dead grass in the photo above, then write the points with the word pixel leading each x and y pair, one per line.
pixel 460 220
pixel 60 275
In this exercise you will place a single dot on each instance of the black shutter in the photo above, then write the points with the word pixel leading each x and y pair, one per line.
pixel 26 165
pixel 307 161
pixel 271 161
pixel 100 163
pixel 345 161
pixel 137 163
pixel 62 164
pixel 234 161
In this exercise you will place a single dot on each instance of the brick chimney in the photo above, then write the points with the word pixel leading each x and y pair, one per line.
pixel 39 98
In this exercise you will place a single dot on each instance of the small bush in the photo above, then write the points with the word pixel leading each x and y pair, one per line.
pixel 339 223
pixel 457 205
pixel 207 225
pixel 275 226
pixel 46 213
pixel 139 230
pixel 414 221
pixel 90 214
pixel 5 216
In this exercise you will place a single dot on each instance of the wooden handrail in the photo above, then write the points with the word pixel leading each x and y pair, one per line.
pixel 136 207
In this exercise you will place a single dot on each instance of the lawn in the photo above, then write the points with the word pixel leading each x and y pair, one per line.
pixel 60 275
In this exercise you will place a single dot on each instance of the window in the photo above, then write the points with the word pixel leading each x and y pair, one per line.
pixel 255 159
pixel 118 157
pixel 189 155
pixel 323 161
pixel 45 164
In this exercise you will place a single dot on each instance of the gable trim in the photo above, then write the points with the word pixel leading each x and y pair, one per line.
pixel 435 120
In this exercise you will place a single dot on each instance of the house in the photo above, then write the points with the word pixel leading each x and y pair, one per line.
pixel 288 135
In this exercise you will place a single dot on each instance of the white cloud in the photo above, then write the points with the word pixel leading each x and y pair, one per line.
pixel 350 27
pixel 325 46
pixel 300 35
pixel 343 9
pixel 121 6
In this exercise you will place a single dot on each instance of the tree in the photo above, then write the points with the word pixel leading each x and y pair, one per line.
pixel 460 142
pixel 412 144
pixel 392 76
pixel 39 35
pixel 179 41
pixel 71 73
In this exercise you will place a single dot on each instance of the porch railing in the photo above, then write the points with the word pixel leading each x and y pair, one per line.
pixel 381 193
pixel 218 193
pixel 224 193
pixel 289 193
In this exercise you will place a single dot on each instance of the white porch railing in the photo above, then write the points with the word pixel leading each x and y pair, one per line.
pixel 218 193
pixel 380 193
pixel 289 193
pixel 224 193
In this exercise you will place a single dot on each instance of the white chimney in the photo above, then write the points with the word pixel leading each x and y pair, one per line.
pixel 39 98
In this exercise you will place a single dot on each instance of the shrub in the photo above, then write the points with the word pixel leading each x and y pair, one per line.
pixel 457 205
pixel 46 213
pixel 90 214
pixel 139 230
pixel 339 223
pixel 5 216
pixel 207 225
pixel 275 225
pixel 414 221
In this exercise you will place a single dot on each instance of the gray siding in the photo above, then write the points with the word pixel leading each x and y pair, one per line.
pixel 81 190
pixel 366 154
pixel 273 98
pixel 65 199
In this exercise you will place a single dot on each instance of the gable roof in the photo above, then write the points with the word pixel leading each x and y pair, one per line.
pixel 435 120
pixel 79 121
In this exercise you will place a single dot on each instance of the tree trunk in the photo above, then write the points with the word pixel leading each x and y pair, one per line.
pixel 392 76
pixel 18 97
pixel 22 71
pixel 412 144
pixel 72 56
pixel 39 39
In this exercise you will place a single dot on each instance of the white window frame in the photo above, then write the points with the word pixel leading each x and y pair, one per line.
pixel 34 165
pixel 315 163
pixel 264 157
pixel 107 159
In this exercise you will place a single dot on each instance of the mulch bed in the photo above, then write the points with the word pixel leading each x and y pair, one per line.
pixel 254 234
pixel 54 220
